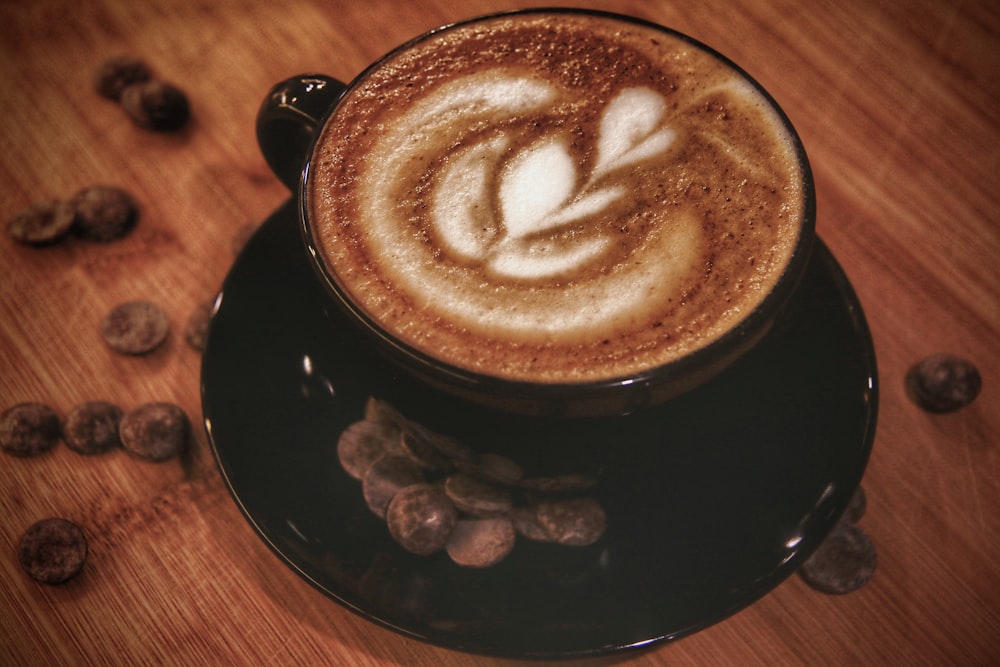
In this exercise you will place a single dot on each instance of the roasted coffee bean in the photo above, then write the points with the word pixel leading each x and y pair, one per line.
pixel 466 505
pixel 418 445
pixel 155 431
pixel 42 223
pixel 500 468
pixel 136 327
pixel 856 506
pixel 118 73
pixel 493 468
pixel 155 105
pixel 29 429
pixel 104 213
pixel 446 446
pixel 364 442
pixel 196 329
pixel 421 519
pixel 526 523
pixel 476 498
pixel 425 442
pixel 92 427
pixel 843 562
pixel 481 542
pixel 574 522
pixel 385 478
pixel 52 551
pixel 943 383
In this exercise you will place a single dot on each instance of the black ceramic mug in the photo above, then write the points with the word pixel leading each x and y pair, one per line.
pixel 552 149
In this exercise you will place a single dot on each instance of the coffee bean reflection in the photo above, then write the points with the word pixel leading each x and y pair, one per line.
pixel 481 542
pixel 477 498
pixel 435 493
pixel 364 442
pixel 421 518
pixel 385 478
pixel 575 522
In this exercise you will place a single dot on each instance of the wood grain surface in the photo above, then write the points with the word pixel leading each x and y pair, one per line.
pixel 898 104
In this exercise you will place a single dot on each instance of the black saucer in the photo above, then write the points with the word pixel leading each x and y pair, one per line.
pixel 712 499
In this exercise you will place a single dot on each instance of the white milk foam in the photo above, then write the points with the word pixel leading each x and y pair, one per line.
pixel 540 191
pixel 556 224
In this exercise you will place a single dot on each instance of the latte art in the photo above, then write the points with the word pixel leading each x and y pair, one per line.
pixel 555 202
pixel 539 189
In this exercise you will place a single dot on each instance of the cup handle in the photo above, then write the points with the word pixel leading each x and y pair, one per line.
pixel 288 120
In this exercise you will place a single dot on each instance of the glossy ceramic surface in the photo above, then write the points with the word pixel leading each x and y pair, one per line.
pixel 291 111
pixel 712 499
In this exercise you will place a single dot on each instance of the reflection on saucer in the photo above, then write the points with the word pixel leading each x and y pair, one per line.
pixel 710 500
pixel 436 493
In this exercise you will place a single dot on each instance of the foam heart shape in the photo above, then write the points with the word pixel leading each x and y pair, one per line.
pixel 628 131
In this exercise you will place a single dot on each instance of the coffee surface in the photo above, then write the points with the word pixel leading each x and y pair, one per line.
pixel 555 198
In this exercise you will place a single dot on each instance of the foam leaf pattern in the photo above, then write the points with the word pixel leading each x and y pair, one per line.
pixel 540 190
pixel 459 210
pixel 527 208
pixel 628 131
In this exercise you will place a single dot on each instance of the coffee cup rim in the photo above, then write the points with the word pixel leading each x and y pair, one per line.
pixel 463 380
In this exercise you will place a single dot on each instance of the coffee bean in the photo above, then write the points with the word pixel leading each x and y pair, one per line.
pixel 573 522
pixel 493 468
pixel 481 542
pixel 526 523
pixel 196 329
pixel 52 551
pixel 843 562
pixel 387 477
pixel 42 223
pixel 477 498
pixel 426 444
pixel 364 442
pixel 116 74
pixel 856 506
pixel 136 327
pixel 448 447
pixel 943 383
pixel 92 427
pixel 500 468
pixel 421 519
pixel 104 213
pixel 436 493
pixel 155 105
pixel 29 429
pixel 155 431
pixel 418 445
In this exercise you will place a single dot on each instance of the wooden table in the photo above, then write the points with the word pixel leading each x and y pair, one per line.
pixel 898 104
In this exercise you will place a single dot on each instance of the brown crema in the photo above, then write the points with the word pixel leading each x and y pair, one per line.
pixel 555 198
